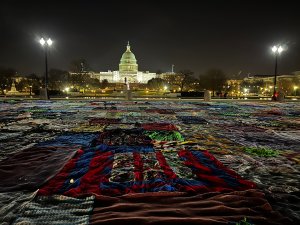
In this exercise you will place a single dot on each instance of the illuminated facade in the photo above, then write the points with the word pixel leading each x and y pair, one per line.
pixel 128 69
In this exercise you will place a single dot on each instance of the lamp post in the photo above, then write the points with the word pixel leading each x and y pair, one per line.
pixel 276 50
pixel 30 91
pixel 46 44
pixel 295 89
pixel 67 89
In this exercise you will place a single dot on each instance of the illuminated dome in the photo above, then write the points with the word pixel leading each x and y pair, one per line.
pixel 128 62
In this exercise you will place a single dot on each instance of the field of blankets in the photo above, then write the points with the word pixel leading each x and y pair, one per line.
pixel 149 162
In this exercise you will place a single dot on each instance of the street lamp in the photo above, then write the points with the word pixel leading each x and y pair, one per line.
pixel 67 89
pixel 295 89
pixel 46 44
pixel 30 91
pixel 276 50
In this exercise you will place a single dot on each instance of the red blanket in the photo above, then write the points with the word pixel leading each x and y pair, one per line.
pixel 118 170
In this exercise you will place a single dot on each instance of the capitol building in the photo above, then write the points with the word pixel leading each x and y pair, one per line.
pixel 128 71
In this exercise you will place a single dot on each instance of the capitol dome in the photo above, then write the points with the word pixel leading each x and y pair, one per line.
pixel 128 62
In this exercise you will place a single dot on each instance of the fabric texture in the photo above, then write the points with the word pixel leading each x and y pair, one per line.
pixel 12 204
pixel 163 208
pixel 56 209
pixel 118 170
pixel 31 168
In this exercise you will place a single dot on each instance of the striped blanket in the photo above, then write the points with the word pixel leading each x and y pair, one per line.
pixel 117 170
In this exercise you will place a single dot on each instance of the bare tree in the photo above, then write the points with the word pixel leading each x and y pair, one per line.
pixel 156 83
pixel 213 80
pixel 79 66
pixel 6 75
pixel 182 79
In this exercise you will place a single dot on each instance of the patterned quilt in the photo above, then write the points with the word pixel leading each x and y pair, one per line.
pixel 126 161
pixel 95 162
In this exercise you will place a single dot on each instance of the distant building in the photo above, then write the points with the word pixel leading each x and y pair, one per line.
pixel 173 79
pixel 234 85
pixel 128 69
pixel 269 79
pixel 264 84
pixel 13 91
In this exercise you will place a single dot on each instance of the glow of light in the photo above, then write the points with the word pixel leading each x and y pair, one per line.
pixel 139 78
pixel 42 41
pixel 295 88
pixel 67 89
pixel 274 49
pixel 49 42
pixel 277 49
pixel 165 87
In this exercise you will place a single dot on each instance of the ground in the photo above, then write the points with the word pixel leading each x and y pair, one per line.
pixel 258 141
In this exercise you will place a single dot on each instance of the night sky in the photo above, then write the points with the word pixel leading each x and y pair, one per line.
pixel 230 35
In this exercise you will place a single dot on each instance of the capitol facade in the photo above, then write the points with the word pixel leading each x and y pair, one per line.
pixel 128 71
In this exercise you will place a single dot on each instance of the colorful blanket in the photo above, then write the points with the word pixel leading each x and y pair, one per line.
pixel 117 170
pixel 149 162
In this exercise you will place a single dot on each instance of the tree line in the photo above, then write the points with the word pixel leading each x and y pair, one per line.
pixel 78 79
pixel 184 80
pixel 58 79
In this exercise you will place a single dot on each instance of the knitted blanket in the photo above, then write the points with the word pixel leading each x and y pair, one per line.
pixel 117 170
